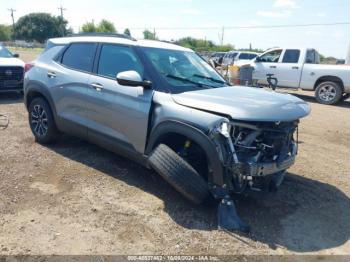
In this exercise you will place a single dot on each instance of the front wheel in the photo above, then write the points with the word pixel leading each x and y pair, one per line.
pixel 328 93
pixel 178 173
pixel 41 121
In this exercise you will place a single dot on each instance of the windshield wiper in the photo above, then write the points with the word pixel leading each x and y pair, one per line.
pixel 187 80
pixel 210 78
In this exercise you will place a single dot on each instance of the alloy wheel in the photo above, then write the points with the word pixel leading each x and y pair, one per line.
pixel 38 121
pixel 327 93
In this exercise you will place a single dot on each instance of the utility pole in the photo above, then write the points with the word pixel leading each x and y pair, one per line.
pixel 62 25
pixel 62 9
pixel 154 34
pixel 222 35
pixel 13 22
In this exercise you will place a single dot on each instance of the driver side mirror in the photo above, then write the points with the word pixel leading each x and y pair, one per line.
pixel 132 78
pixel 15 55
pixel 258 59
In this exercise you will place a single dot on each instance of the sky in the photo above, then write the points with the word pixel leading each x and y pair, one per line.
pixel 173 19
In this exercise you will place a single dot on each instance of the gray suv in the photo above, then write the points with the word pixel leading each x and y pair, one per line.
pixel 163 106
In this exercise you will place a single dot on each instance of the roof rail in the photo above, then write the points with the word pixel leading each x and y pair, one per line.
pixel 103 34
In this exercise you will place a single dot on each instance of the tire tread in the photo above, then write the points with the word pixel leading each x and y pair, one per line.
pixel 177 172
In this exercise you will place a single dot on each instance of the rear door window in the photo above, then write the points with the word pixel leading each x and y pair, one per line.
pixel 80 56
pixel 291 56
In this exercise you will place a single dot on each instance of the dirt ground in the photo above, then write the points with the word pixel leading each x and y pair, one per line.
pixel 76 198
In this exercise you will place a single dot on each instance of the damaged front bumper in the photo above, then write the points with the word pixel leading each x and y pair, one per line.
pixel 255 154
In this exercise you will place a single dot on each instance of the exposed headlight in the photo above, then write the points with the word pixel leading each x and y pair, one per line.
pixel 224 129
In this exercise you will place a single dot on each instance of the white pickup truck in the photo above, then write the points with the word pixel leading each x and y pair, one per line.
pixel 300 68
pixel 11 71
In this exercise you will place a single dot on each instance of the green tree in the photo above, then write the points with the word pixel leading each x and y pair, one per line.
pixel 200 45
pixel 5 32
pixel 63 27
pixel 106 26
pixel 88 27
pixel 149 35
pixel 223 48
pixel 127 32
pixel 39 27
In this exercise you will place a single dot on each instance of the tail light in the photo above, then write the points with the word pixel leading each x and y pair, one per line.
pixel 28 66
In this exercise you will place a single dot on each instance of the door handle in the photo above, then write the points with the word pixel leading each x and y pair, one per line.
pixel 51 74
pixel 97 86
pixel 273 66
pixel 295 67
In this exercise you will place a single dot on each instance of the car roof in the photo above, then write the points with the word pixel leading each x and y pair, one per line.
pixel 117 40
pixel 290 47
pixel 244 52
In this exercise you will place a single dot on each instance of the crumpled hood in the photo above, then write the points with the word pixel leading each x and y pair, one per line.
pixel 11 62
pixel 245 103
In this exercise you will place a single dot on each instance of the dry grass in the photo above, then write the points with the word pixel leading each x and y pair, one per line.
pixel 26 54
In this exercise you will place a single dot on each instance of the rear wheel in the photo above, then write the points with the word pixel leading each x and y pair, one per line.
pixel 41 121
pixel 328 93
pixel 178 173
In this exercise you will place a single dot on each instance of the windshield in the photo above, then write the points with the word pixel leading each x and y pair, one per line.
pixel 183 70
pixel 5 53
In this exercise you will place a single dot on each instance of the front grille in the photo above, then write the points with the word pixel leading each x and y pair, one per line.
pixel 11 77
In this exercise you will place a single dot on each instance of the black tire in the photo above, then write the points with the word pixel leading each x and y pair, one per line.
pixel 178 173
pixel 41 121
pixel 328 93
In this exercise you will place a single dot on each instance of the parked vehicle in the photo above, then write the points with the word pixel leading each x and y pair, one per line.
pixel 238 58
pixel 166 108
pixel 217 58
pixel 205 55
pixel 11 71
pixel 301 68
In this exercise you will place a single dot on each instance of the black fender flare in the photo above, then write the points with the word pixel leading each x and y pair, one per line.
pixel 37 87
pixel 195 134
